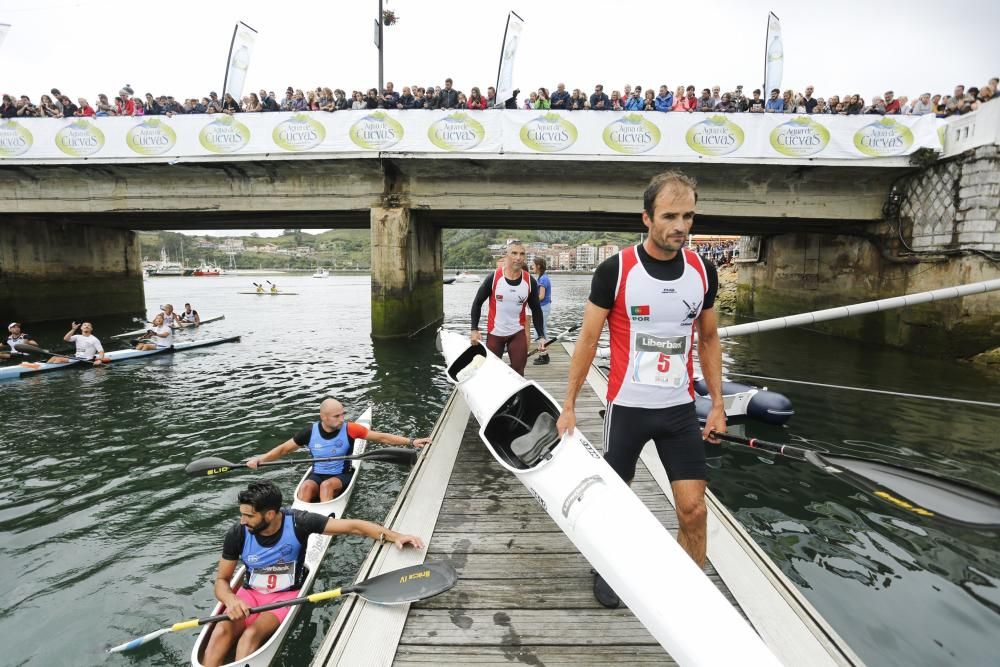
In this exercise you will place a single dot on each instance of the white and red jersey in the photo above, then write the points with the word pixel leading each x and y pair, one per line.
pixel 507 304
pixel 652 332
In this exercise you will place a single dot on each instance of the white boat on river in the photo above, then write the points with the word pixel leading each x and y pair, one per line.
pixel 316 549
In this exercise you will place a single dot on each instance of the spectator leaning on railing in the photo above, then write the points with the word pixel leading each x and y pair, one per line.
pixel 664 101
pixel 712 100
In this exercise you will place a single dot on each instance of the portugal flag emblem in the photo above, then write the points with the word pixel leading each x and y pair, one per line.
pixel 640 310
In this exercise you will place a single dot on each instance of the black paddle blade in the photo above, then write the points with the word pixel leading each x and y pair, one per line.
pixel 398 455
pixel 31 349
pixel 209 466
pixel 919 492
pixel 408 584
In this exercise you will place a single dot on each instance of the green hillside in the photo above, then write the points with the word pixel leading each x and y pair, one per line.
pixel 348 248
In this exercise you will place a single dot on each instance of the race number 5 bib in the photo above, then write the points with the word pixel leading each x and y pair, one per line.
pixel 277 577
pixel 661 362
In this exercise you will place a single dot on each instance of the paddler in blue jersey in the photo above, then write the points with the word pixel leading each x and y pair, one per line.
pixel 271 542
pixel 332 435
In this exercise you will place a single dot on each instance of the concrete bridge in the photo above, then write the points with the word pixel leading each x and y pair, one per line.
pixel 827 230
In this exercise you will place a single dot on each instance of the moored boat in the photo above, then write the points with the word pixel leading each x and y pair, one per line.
pixel 321 273
pixel 316 549
pixel 466 277
pixel 207 271
pixel 32 368
pixel 600 514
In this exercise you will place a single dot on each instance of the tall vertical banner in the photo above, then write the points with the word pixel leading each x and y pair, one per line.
pixel 774 55
pixel 511 40
pixel 240 50
pixel 4 27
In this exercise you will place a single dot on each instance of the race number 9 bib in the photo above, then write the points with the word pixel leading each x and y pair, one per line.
pixel 661 362
pixel 273 578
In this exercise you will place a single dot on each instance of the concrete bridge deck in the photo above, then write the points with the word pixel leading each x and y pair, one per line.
pixel 525 591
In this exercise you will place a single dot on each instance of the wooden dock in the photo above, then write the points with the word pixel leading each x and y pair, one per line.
pixel 525 592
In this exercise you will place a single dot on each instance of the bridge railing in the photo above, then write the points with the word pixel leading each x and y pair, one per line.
pixel 979 128
pixel 675 137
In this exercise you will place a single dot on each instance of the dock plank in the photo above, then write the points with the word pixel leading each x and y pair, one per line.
pixel 495 656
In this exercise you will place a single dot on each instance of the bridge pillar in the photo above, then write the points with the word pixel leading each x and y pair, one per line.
pixel 52 270
pixel 941 228
pixel 407 273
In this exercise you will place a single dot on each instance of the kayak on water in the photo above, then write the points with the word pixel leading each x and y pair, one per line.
pixel 176 327
pixel 600 514
pixel 315 551
pixel 31 368
pixel 271 293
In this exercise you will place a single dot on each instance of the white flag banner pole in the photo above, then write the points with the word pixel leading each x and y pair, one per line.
pixel 4 27
pixel 774 56
pixel 511 40
pixel 240 50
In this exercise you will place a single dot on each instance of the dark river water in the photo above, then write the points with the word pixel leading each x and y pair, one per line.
pixel 103 538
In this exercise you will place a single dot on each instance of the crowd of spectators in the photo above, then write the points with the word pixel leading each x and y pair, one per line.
pixel 630 98
pixel 720 253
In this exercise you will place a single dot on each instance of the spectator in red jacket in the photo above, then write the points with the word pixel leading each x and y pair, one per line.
pixel 476 99
pixel 84 109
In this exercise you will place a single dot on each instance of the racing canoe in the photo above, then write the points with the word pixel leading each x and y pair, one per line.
pixel 599 513
pixel 32 368
pixel 315 551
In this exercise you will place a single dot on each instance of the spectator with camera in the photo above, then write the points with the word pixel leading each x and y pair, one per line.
pixel 705 102
pixel 25 109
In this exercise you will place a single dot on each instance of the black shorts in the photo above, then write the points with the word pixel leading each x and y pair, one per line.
pixel 674 431
pixel 344 477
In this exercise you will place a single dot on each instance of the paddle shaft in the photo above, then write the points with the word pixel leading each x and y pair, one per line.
pixel 373 454
pixel 774 447
pixel 556 339
pixel 315 597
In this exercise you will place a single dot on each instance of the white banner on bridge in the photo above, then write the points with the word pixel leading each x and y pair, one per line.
pixel 685 136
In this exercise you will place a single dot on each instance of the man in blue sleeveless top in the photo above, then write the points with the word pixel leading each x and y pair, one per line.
pixel 331 437
pixel 271 543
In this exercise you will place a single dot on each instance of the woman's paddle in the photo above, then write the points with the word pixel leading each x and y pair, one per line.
pixel 556 339
pixel 921 493
pixel 408 584
pixel 215 466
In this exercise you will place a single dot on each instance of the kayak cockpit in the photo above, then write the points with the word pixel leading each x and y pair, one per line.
pixel 522 431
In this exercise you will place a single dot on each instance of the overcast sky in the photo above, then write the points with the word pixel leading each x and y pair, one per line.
pixel 180 47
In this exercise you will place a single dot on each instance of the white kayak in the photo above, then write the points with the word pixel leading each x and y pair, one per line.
pixel 600 514
pixel 315 551
pixel 32 368
pixel 179 326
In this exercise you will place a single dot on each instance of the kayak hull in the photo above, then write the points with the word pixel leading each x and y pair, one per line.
pixel 600 514
pixel 316 549
pixel 23 369
pixel 178 327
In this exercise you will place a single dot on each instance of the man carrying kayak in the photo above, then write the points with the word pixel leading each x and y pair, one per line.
pixel 654 296
pixel 18 337
pixel 88 347
pixel 271 542
pixel 332 435
pixel 509 291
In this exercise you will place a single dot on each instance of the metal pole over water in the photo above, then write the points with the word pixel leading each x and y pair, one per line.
pixel 865 308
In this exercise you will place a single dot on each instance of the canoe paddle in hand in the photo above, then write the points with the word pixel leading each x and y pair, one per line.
pixel 212 465
pixel 921 493
pixel 408 584
pixel 32 349
pixel 557 338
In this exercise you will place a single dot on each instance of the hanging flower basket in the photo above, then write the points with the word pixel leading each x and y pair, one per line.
pixel 389 17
